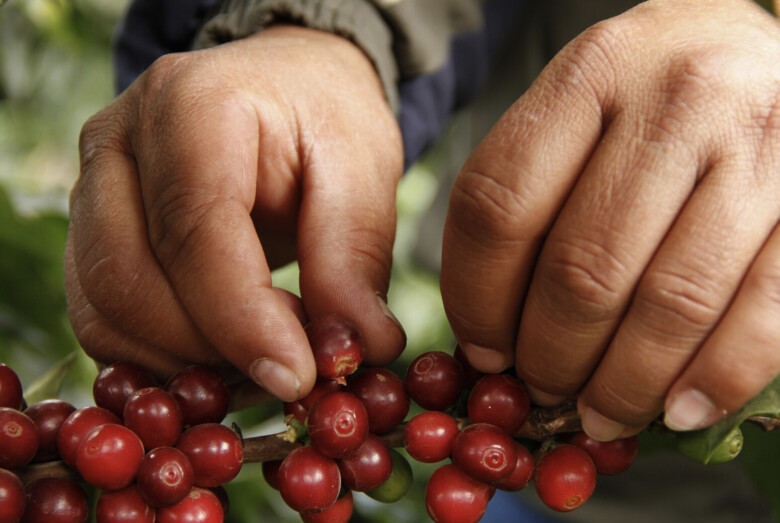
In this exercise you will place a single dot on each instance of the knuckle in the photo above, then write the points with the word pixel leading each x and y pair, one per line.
pixel 633 406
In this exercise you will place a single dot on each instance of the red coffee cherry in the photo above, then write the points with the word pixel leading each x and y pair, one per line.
pixel 155 416
pixel 123 506
pixel 428 436
pixel 48 415
pixel 309 481
pixel 338 424
pixel 77 426
pixel 300 408
pixel 19 438
pixel 339 512
pixel 10 388
pixel 522 473
pixel 484 452
pixel 271 472
pixel 336 345
pixel 384 396
pixel 109 457
pixel 55 500
pixel 202 393
pixel 12 497
pixel 165 477
pixel 610 457
pixel 199 506
pixel 215 451
pixel 565 477
pixel 223 498
pixel 434 380
pixel 501 400
pixel 116 382
pixel 368 467
pixel 452 496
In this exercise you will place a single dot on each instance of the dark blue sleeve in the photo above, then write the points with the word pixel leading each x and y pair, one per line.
pixel 152 28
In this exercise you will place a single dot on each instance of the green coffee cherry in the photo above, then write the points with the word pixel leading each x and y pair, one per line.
pixel 397 485
pixel 694 445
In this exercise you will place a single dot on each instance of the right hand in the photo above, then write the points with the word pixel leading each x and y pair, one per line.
pixel 212 169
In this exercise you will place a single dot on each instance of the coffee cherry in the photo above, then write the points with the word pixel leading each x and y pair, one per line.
pixel 336 345
pixel 109 457
pixel 300 408
pixel 155 416
pixel 10 388
pixel 77 426
pixel 309 481
pixel 296 410
pixel 339 512
pixel 522 473
pixel 382 393
pixel 271 472
pixel 501 400
pixel 222 496
pixel 164 477
pixel 55 500
pixel 434 380
pixel 215 451
pixel 610 457
pixel 565 477
pixel 429 435
pixel 12 497
pixel 19 438
pixel 697 446
pixel 202 393
pixel 199 506
pixel 48 415
pixel 484 452
pixel 452 496
pixel 123 506
pixel 116 382
pixel 338 424
pixel 368 467
pixel 398 484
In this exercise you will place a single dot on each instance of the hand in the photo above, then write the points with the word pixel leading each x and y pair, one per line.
pixel 615 235
pixel 212 169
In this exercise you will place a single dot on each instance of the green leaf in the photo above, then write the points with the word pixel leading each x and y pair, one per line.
pixel 49 384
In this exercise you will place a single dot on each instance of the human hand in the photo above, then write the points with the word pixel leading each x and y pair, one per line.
pixel 212 169
pixel 615 235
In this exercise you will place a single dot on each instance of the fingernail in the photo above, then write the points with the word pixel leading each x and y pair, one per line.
pixel 389 314
pixel 600 427
pixel 543 399
pixel 690 410
pixel 276 378
pixel 484 359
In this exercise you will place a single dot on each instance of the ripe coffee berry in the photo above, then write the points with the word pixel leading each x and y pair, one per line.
pixel 116 382
pixel 164 477
pixel 339 512
pixel 429 435
pixel 10 388
pixel 565 477
pixel 12 497
pixel 77 426
pixel 55 500
pixel 452 496
pixel 300 408
pixel 202 393
pixel 501 400
pixel 108 458
pixel 610 457
pixel 123 506
pixel 522 473
pixel 215 451
pixel 309 481
pixel 271 472
pixel 155 416
pixel 434 380
pixel 19 438
pixel 48 415
pixel 199 506
pixel 368 467
pixel 382 393
pixel 484 452
pixel 337 346
pixel 338 424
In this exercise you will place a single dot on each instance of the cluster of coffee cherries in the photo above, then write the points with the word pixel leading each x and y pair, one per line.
pixel 154 452
pixel 469 422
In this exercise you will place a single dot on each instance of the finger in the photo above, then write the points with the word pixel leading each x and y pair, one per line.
pixel 109 250
pixel 505 199
pixel 680 299
pixel 198 185
pixel 346 233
